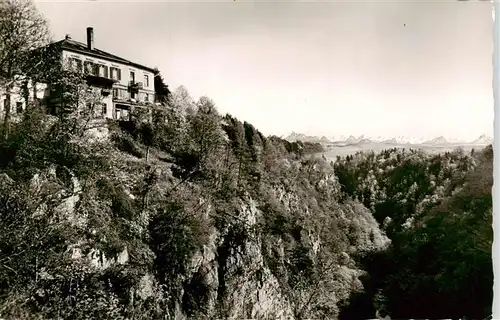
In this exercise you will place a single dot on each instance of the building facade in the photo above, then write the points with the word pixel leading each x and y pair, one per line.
pixel 18 100
pixel 122 84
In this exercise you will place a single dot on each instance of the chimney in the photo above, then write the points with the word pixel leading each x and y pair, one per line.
pixel 90 38
pixel 67 37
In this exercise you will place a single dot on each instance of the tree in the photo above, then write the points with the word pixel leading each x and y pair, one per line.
pixel 236 134
pixel 182 100
pixel 22 30
pixel 161 89
pixel 205 135
pixel 41 159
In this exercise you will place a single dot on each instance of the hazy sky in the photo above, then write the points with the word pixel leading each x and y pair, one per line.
pixel 316 67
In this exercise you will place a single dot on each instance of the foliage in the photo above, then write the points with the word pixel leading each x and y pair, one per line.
pixel 437 211
pixel 162 91
pixel 175 233
pixel 22 30
pixel 132 226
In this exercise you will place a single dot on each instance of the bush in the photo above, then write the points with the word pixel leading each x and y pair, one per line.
pixel 176 233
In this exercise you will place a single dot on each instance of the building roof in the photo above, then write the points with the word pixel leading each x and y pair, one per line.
pixel 78 47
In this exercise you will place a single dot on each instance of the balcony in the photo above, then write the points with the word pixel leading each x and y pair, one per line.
pixel 106 92
pixel 123 96
pixel 100 81
pixel 134 86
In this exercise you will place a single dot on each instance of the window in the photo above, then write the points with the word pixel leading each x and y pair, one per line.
pixel 116 73
pixel 88 67
pixel 104 109
pixel 103 71
pixel 121 113
pixel 120 93
pixel 91 68
pixel 132 76
pixel 146 97
pixel 19 107
pixel 146 80
pixel 75 64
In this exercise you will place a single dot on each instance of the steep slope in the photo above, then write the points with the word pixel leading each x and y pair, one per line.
pixel 178 214
pixel 437 211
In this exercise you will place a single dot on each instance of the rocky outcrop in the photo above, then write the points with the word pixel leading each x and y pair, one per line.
pixel 230 277
pixel 242 271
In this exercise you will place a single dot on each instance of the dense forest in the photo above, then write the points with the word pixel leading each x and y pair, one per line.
pixel 184 213
pixel 437 211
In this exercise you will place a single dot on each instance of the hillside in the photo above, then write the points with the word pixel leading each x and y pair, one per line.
pixel 188 214
pixel 437 211
pixel 183 213
pixel 179 212
pixel 192 214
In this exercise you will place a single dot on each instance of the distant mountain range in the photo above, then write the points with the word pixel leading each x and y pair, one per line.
pixel 483 139
pixel 438 140
pixel 352 140
pixel 294 136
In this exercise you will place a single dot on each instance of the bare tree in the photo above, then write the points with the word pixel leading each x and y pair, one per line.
pixel 22 30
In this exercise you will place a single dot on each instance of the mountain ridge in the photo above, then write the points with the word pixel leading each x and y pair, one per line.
pixel 483 139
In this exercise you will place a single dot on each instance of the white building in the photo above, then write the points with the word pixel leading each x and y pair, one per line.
pixel 123 84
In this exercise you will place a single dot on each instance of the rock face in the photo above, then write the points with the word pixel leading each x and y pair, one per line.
pixel 244 270
pixel 231 278
pixel 252 289
pixel 237 284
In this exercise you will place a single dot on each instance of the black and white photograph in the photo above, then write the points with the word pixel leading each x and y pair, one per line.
pixel 247 159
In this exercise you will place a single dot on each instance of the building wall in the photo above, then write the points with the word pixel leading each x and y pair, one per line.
pixel 125 73
pixel 105 101
pixel 17 100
